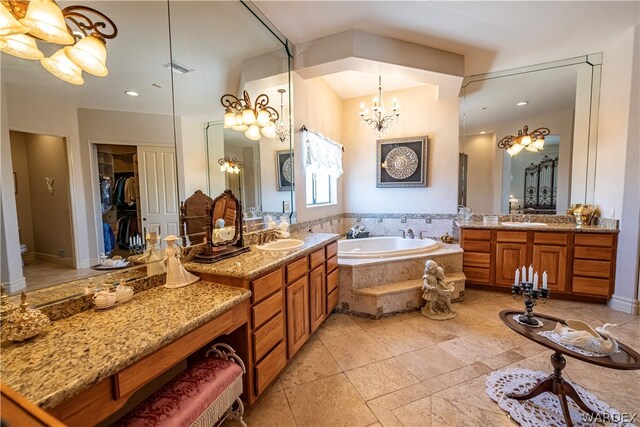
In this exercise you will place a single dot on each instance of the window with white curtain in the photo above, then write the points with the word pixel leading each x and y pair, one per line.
pixel 323 165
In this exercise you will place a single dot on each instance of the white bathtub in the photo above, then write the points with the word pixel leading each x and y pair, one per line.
pixel 384 247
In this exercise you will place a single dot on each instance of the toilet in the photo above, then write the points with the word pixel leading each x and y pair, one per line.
pixel 23 250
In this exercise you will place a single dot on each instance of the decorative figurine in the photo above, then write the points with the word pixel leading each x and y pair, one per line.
pixel 528 288
pixel 446 238
pixel 23 323
pixel 580 334
pixel 437 293
pixel 283 228
pixel 177 276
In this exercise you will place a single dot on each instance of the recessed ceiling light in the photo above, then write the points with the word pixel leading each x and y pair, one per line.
pixel 522 103
pixel 131 93
pixel 482 132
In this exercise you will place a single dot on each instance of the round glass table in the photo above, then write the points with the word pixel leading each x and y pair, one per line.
pixel 626 358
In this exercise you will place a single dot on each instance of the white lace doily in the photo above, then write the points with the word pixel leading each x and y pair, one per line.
pixel 544 409
pixel 517 319
pixel 552 336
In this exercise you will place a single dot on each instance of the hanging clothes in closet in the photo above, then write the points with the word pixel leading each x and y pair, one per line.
pixel 125 191
pixel 126 227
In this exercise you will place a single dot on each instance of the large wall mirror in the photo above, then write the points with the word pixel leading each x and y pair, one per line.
pixel 180 59
pixel 561 96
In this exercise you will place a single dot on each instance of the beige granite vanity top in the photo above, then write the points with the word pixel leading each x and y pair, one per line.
pixel 256 262
pixel 81 350
pixel 551 226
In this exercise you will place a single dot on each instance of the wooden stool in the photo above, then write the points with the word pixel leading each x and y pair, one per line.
pixel 200 396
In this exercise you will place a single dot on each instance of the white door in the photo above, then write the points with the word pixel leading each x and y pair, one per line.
pixel 158 190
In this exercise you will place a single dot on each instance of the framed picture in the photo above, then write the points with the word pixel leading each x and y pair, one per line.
pixel 402 162
pixel 284 170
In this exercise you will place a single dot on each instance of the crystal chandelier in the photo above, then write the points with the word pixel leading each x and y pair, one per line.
pixel 253 120
pixel 282 130
pixel 531 141
pixel 378 120
pixel 22 23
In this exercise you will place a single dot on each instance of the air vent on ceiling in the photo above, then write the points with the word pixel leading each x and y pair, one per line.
pixel 178 68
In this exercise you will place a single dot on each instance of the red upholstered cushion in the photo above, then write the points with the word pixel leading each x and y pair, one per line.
pixel 183 399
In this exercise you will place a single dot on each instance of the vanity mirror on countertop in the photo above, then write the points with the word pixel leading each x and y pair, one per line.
pixel 562 96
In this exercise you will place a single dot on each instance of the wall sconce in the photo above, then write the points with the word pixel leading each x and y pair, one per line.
pixel 253 120
pixel 533 141
pixel 230 165
pixel 24 22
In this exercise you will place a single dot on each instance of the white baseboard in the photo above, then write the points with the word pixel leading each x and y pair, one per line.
pixel 54 259
pixel 86 263
pixel 15 286
pixel 624 304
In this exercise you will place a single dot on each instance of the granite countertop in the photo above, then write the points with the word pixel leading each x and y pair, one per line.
pixel 551 226
pixel 256 262
pixel 81 350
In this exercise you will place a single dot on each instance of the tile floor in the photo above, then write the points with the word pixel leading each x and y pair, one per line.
pixel 42 274
pixel 412 371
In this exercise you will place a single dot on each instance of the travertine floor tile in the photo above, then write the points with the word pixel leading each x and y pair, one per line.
pixel 445 413
pixel 471 393
pixel 434 385
pixel 437 331
pixel 416 413
pixel 429 362
pixel 502 359
pixel 337 324
pixel 599 379
pixel 470 348
pixel 311 363
pixel 355 349
pixel 366 323
pixel 399 338
pixel 385 416
pixel 402 397
pixel 271 410
pixel 464 374
pixel 331 401
pixel 380 378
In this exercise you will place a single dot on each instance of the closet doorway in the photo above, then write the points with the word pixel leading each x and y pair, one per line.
pixel 41 186
pixel 138 194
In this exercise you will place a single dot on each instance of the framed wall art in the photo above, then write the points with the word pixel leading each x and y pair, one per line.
pixel 284 170
pixel 402 162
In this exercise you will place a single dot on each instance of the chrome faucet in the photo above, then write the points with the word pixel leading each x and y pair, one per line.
pixel 422 234
pixel 408 234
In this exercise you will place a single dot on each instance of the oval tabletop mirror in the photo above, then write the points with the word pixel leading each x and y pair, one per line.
pixel 224 227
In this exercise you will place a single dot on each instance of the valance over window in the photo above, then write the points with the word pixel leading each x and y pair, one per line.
pixel 321 154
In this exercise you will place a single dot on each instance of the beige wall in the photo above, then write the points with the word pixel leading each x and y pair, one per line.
pixel 319 108
pixel 421 113
pixel 23 199
pixel 480 150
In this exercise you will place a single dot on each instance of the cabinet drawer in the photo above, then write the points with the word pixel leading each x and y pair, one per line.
pixel 332 280
pixel 587 285
pixel 476 246
pixel 468 234
pixel 591 268
pixel 511 236
pixel 267 309
pixel 332 300
pixel 550 238
pixel 316 258
pixel 473 259
pixel 332 263
pixel 297 269
pixel 584 239
pixel 332 249
pixel 477 275
pixel 265 338
pixel 267 370
pixel 586 252
pixel 265 286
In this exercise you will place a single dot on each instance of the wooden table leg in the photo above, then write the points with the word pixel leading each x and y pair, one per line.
pixel 555 384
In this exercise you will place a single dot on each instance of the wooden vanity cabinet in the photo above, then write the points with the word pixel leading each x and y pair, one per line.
pixel 317 291
pixel 297 306
pixel 577 263
pixel 331 267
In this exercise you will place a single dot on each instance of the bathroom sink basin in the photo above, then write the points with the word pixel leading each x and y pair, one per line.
pixel 281 245
pixel 525 224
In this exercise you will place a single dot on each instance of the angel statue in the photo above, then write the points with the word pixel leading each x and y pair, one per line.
pixel 437 293
pixel 177 276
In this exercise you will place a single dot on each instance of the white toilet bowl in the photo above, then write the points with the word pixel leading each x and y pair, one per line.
pixel 23 250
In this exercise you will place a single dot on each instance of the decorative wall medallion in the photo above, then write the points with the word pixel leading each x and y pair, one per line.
pixel 287 170
pixel 401 162
pixel 284 170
